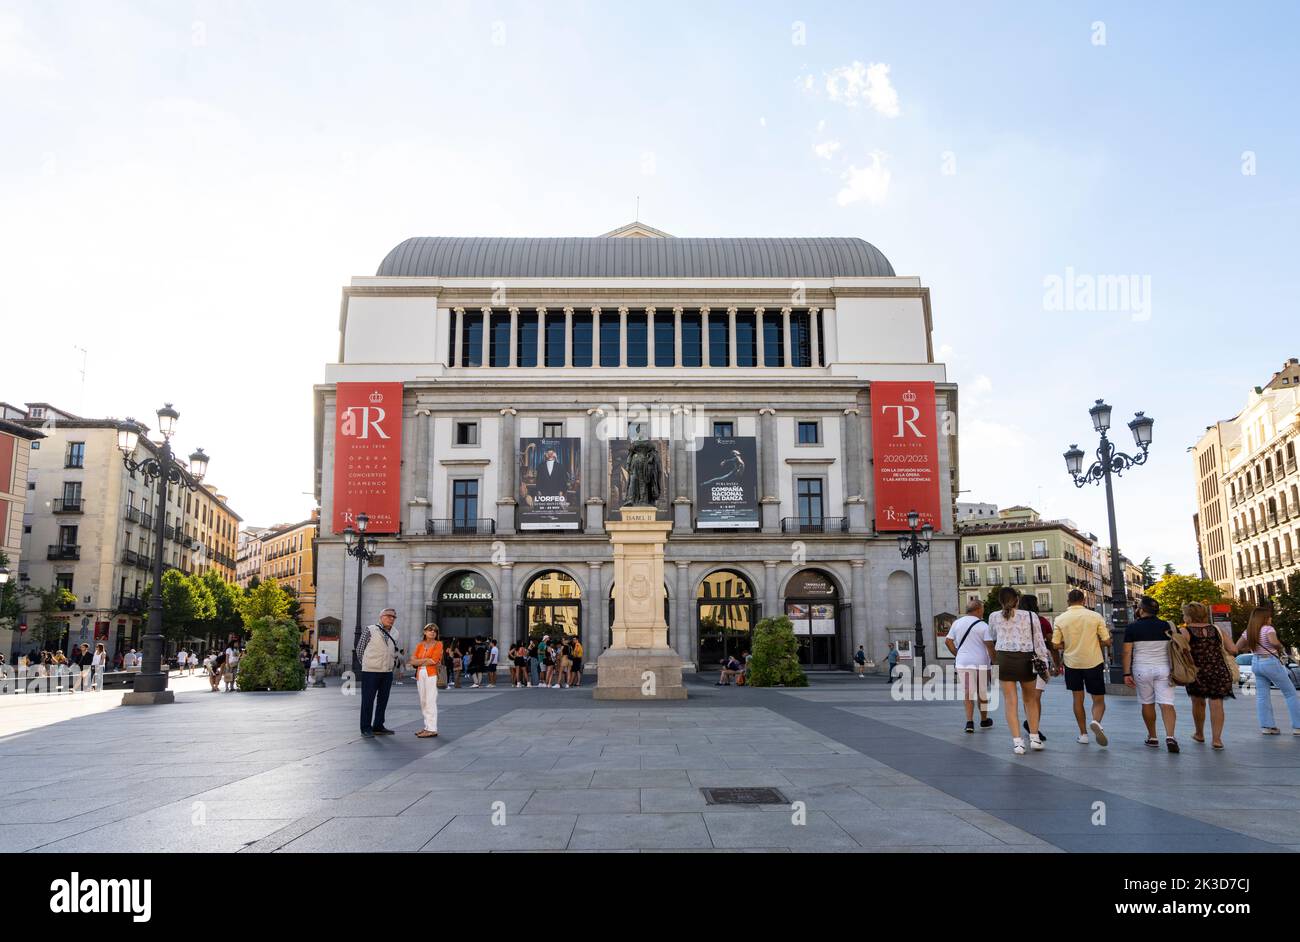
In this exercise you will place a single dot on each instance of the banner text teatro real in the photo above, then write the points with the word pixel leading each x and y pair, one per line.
pixel 368 456
pixel 905 447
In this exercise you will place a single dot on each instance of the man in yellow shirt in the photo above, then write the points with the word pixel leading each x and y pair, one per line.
pixel 1080 632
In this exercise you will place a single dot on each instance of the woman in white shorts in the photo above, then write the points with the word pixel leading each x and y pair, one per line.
pixel 1146 667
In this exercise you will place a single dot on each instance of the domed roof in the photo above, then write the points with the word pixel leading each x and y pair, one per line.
pixel 604 257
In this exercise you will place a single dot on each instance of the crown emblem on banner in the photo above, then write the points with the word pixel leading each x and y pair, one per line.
pixel 909 396
pixel 376 396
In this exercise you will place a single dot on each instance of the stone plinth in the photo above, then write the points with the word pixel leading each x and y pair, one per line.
pixel 639 665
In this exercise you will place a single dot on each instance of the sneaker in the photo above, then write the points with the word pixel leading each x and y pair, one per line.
pixel 1041 735
pixel 473 686
pixel 566 687
pixel 1083 739
pixel 555 686
pixel 970 727
pixel 1098 732
pixel 383 731
pixel 1018 746
pixel 1035 741
pixel 986 723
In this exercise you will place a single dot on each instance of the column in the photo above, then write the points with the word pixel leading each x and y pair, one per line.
pixel 506 470
pixel 855 479
pixel 458 339
pixel 595 472
pixel 541 336
pixel 770 598
pixel 410 633
pixel 504 607
pixel 785 332
pixel 815 333
pixel 650 336
pixel 858 588
pixel 680 477
pixel 769 486
pixel 595 337
pixel 568 336
pixel 622 336
pixel 681 642
pixel 597 603
pixel 485 348
pixel 419 502
pixel 731 336
pixel 704 336
pixel 677 336
pixel 514 336
pixel 758 326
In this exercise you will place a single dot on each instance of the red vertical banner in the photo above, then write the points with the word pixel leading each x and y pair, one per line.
pixel 905 443
pixel 368 456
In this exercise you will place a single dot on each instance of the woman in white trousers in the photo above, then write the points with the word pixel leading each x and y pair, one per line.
pixel 425 660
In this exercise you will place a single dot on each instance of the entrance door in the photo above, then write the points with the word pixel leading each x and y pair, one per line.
pixel 812 605
pixel 464 608
pixel 725 615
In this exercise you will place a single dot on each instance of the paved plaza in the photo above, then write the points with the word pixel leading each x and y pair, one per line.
pixel 554 770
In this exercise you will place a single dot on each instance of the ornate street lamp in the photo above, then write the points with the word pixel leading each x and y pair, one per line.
pixel 1110 462
pixel 911 547
pixel 364 549
pixel 151 682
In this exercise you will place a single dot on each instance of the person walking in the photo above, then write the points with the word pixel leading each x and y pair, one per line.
pixel 425 660
pixel 230 667
pixel 973 661
pixel 1210 648
pixel 376 652
pixel 860 663
pixel 1079 634
pixel 892 659
pixel 1261 640
pixel 1147 668
pixel 1018 653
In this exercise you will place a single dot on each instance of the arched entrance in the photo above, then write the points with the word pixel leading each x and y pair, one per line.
pixel 812 603
pixel 463 606
pixel 552 606
pixel 725 614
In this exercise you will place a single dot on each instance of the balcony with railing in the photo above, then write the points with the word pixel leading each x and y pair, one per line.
pixel 815 525
pixel 132 514
pixel 970 583
pixel 130 558
pixel 971 556
pixel 67 505
pixel 1019 580
pixel 1040 554
pixel 468 526
pixel 993 555
pixel 131 605
pixel 1040 579
pixel 63 551
pixel 146 520
pixel 1290 466
pixel 1014 555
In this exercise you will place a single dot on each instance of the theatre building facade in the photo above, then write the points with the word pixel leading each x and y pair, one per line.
pixel 487 390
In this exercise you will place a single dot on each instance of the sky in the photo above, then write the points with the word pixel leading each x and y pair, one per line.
pixel 186 186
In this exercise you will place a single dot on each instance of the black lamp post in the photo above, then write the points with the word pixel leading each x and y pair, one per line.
pixel 1112 462
pixel 151 682
pixel 364 549
pixel 911 547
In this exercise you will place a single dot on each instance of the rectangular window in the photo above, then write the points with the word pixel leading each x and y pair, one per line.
pixel 724 430
pixel 582 340
pixel 464 503
pixel 810 500
pixel 1016 549
pixel 809 433
pixel 800 339
pixel 972 554
pixel 466 433
pixel 821 340
pixel 71 495
pixel 995 575
pixel 1044 601
pixel 552 430
pixel 67 536
pixel 692 342
pixel 609 339
pixel 773 339
pixel 63 580
pixel 972 577
pixel 665 340
pixel 555 339
pixel 451 338
pixel 76 457
pixel 1017 575
pixel 1040 549
pixel 746 340
pixel 526 354
pixel 637 338
pixel 719 340
pixel 499 340
pixel 472 344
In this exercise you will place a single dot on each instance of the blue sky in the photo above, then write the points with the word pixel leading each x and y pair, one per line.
pixel 193 182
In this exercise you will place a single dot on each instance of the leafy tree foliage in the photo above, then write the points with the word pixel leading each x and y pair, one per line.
pixel 1173 592
pixel 267 601
pixel 270 660
pixel 776 657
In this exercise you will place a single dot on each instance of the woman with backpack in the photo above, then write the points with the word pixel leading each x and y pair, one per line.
pixel 1021 659
pixel 1261 640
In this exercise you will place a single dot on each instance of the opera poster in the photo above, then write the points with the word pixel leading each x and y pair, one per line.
pixel 726 489
pixel 550 483
pixel 618 480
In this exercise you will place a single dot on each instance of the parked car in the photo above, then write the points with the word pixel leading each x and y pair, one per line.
pixel 1245 663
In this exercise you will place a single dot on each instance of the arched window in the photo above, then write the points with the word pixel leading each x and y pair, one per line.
pixel 725 614
pixel 552 605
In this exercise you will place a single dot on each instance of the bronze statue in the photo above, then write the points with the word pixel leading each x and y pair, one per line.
pixel 642 474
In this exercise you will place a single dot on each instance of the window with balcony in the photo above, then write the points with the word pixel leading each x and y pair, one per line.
pixel 464 503
pixel 1040 549
pixel 809 491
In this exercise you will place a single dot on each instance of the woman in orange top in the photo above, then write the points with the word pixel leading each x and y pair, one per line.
pixel 427 657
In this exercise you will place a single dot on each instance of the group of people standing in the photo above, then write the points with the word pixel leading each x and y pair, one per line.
pixel 81 667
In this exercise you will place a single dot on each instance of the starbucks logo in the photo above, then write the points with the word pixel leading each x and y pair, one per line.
pixel 467 583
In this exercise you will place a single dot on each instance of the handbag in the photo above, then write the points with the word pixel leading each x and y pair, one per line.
pixel 1182 667
pixel 1037 664
pixel 1229 658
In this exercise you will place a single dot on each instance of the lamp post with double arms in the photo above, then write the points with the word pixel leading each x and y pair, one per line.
pixel 912 547
pixel 364 549
pixel 150 684
pixel 1110 461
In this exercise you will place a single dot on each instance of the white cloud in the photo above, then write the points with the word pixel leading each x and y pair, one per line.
pixel 826 149
pixel 857 83
pixel 18 53
pixel 865 183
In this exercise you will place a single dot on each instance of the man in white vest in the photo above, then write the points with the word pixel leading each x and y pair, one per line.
pixel 377 652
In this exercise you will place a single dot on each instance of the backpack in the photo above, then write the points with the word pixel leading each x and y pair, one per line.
pixel 1182 668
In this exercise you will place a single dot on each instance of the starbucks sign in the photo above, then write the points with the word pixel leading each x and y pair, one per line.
pixel 465 587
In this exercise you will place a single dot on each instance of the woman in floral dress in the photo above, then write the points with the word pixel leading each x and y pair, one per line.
pixel 1213 679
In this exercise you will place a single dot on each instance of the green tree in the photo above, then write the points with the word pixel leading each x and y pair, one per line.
pixel 1173 592
pixel 270 660
pixel 266 601
pixel 50 624
pixel 188 604
pixel 11 606
pixel 991 603
pixel 776 655
pixel 1148 573
pixel 1169 570
pixel 1240 615
pixel 226 596
pixel 295 607
pixel 1286 614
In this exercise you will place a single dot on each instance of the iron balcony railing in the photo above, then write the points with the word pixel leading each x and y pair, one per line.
pixel 1015 555
pixel 1042 580
pixel 1040 554
pixel 814 524
pixel 63 551
pixel 131 605
pixel 993 556
pixel 1018 580
pixel 146 520
pixel 468 526
pixel 67 505
pixel 132 514
pixel 970 583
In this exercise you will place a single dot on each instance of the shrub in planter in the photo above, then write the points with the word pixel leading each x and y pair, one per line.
pixel 775 657
pixel 270 660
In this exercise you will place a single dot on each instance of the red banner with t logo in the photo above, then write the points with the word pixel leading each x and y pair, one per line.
pixel 905 447
pixel 368 456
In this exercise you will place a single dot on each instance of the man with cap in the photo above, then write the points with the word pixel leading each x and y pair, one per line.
pixel 377 653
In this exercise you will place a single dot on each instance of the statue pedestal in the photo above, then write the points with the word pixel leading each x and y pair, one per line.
pixel 639 665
